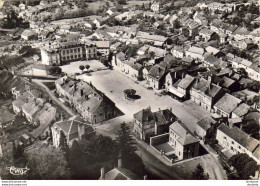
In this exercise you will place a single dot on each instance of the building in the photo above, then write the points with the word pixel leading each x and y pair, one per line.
pixel 6 118
pixel 74 128
pixel 195 53
pixel 6 149
pixel 237 141
pixel 155 7
pixel 240 111
pixel 205 127
pixel 225 105
pixel 157 40
pixel 103 48
pixel 183 141
pixel 205 93
pixel 156 77
pixel 29 35
pixel 148 123
pixel 182 87
pixel 178 51
pixel 92 104
pixel 65 52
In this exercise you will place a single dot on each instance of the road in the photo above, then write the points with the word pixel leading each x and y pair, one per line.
pixel 52 96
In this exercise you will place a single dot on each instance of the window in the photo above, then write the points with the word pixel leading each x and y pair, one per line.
pixel 75 50
pixel 239 147
pixel 78 49
pixel 225 137
pixel 94 116
pixel 179 153
pixel 68 51
pixel 232 142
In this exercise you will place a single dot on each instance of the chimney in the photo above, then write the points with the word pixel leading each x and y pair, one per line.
pixel 81 92
pixel 145 177
pixel 231 125
pixel 102 173
pixel 183 75
pixel 119 165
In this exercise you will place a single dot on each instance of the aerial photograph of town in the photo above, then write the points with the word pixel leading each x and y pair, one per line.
pixel 129 90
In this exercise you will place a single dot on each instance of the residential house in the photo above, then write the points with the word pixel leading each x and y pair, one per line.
pixel 92 104
pixel 117 61
pixel 195 53
pixel 206 34
pixel 237 141
pixel 103 47
pixel 205 127
pixel 253 72
pixel 177 51
pixel 155 7
pixel 183 141
pixel 6 149
pixel 29 35
pixel 205 93
pixel 182 87
pixel 133 69
pixel 148 123
pixel 74 128
pixel 240 111
pixel 6 117
pixel 156 77
pixel 157 40
pixel 30 108
pixel 225 105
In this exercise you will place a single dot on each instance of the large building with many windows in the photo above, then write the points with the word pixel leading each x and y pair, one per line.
pixel 65 52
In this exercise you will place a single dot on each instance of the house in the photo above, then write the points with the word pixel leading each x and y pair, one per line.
pixel 92 104
pixel 74 128
pixel 29 35
pixel 212 50
pixel 17 106
pixel 205 93
pixel 212 61
pixel 155 7
pixel 195 53
pixel 156 77
pixel 253 71
pixel 6 118
pixel 205 127
pixel 132 69
pixel 206 34
pixel 157 40
pixel 236 141
pixel 118 173
pixel 103 47
pixel 182 87
pixel 177 51
pixel 148 123
pixel 117 61
pixel 240 111
pixel 183 141
pixel 30 108
pixel 225 105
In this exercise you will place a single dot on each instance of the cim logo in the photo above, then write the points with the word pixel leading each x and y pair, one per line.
pixel 17 171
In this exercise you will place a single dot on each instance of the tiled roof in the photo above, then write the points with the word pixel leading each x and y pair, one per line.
pixel 186 82
pixel 227 82
pixel 185 135
pixel 227 103
pixel 157 72
pixel 196 50
pixel 240 137
pixel 144 115
pixel 121 174
pixel 164 116
pixel 205 123
pixel 241 110
pixel 6 116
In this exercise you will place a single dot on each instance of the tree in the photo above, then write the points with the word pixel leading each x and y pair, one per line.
pixel 82 67
pixel 87 67
pixel 244 165
pixel 64 145
pixel 127 146
pixel 46 162
pixel 199 174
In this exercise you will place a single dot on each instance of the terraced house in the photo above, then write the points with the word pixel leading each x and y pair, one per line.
pixel 92 104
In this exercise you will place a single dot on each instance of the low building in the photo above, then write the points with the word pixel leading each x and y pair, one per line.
pixel 195 53
pixel 74 128
pixel 206 34
pixel 225 105
pixel 148 123
pixel 155 7
pixel 237 141
pixel 183 141
pixel 240 111
pixel 29 35
pixel 6 149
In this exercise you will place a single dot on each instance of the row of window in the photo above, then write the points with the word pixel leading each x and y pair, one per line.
pixel 71 51
pixel 71 57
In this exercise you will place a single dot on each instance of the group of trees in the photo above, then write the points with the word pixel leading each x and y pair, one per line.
pixel 86 157
pixel 244 165
pixel 82 67
pixel 199 173
pixel 12 20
